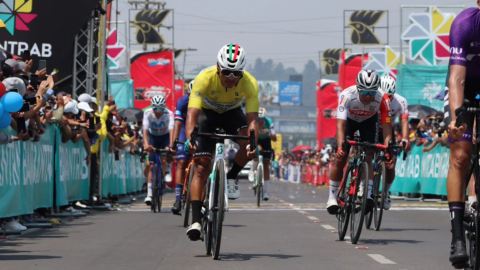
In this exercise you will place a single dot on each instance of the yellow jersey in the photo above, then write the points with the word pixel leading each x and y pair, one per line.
pixel 209 93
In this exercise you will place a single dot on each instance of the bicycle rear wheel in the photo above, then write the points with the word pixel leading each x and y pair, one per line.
pixel 259 186
pixel 207 224
pixel 358 207
pixel 219 208
pixel 344 215
pixel 191 169
pixel 379 195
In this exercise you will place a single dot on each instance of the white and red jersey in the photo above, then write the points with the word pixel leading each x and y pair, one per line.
pixel 398 107
pixel 350 106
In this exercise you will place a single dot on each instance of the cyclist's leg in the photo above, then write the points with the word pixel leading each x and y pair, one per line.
pixel 368 133
pixel 164 141
pixel 472 195
pixel 154 142
pixel 266 144
pixel 460 159
pixel 183 159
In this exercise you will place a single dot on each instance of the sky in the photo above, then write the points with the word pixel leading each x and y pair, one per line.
pixel 291 32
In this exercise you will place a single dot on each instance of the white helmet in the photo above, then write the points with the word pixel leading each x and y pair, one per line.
pixel 368 80
pixel 262 113
pixel 190 87
pixel 388 85
pixel 158 101
pixel 232 57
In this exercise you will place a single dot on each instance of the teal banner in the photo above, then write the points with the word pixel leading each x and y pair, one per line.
pixel 120 176
pixel 420 84
pixel 122 92
pixel 422 172
pixel 72 174
pixel 26 174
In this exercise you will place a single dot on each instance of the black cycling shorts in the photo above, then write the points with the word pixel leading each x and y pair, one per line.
pixel 266 144
pixel 231 122
pixel 367 128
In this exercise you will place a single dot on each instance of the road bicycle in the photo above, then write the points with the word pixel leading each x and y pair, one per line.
pixel 259 181
pixel 215 203
pixel 379 189
pixel 158 181
pixel 186 192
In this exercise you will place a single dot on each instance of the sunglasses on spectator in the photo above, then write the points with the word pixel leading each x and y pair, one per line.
pixel 158 109
pixel 236 74
pixel 364 92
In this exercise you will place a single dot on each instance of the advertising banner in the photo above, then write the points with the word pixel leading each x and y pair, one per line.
pixel 152 75
pixel 290 93
pixel 122 91
pixel 179 92
pixel 420 84
pixel 46 28
pixel 330 60
pixel 349 68
pixel 327 102
pixel 72 174
pixel 268 92
pixel 26 174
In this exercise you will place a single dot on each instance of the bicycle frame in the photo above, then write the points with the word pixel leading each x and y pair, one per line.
pixel 260 161
pixel 219 150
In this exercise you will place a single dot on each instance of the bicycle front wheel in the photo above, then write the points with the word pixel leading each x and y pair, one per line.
pixel 161 187
pixel 187 200
pixel 343 200
pixel 380 194
pixel 219 208
pixel 259 187
pixel 155 189
pixel 358 207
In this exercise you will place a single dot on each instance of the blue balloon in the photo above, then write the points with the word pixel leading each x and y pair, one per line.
pixel 5 120
pixel 1 108
pixel 12 102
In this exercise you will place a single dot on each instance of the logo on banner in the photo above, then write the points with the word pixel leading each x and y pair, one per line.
pixel 429 35
pixel 178 87
pixel 114 49
pixel 385 62
pixel 330 114
pixel 155 91
pixel 431 90
pixel 16 14
pixel 331 58
pixel 147 22
pixel 362 23
pixel 158 62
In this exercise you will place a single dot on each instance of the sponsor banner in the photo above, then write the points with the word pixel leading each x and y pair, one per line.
pixel 327 102
pixel 385 62
pixel 363 24
pixel 26 174
pixel 179 91
pixel 72 175
pixel 290 93
pixel 422 172
pixel 153 74
pixel 268 92
pixel 122 91
pixel 330 60
pixel 46 28
pixel 350 65
pixel 420 84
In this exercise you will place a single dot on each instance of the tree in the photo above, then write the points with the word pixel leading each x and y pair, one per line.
pixel 310 78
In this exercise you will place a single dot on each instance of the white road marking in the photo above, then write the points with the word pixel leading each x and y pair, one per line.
pixel 291 197
pixel 381 259
pixel 312 218
pixel 302 212
pixel 328 227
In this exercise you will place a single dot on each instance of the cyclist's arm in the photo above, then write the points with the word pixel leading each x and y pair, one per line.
pixel 252 120
pixel 251 107
pixel 342 108
pixel 176 130
pixel 171 126
pixel 456 84
pixel 341 124
pixel 192 117
pixel 386 119
pixel 404 118
pixel 387 133
pixel 273 135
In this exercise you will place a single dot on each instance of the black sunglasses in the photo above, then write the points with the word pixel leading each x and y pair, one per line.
pixel 228 73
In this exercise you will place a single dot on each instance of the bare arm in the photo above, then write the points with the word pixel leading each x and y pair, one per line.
pixel 192 117
pixel 387 133
pixel 341 124
pixel 456 88
pixel 252 119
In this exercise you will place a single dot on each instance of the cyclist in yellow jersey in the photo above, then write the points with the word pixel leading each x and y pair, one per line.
pixel 215 102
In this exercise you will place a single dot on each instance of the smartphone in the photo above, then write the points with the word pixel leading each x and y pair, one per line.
pixel 117 155
pixel 21 127
pixel 25 107
pixel 42 64
pixel 26 55
pixel 91 123
pixel 34 80
pixel 31 100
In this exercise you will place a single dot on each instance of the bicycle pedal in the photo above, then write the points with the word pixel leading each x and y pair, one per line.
pixel 465 266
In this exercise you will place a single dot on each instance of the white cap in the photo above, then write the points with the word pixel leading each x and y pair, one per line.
pixel 15 83
pixel 85 107
pixel 71 107
pixel 86 98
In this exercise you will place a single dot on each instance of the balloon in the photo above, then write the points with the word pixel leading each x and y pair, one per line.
pixel 1 109
pixel 12 102
pixel 5 120
pixel 3 90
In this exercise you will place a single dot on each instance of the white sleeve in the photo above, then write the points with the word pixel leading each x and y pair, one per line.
pixel 145 120
pixel 342 106
pixel 403 107
pixel 171 123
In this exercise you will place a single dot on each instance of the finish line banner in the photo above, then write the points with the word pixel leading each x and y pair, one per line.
pixel 422 172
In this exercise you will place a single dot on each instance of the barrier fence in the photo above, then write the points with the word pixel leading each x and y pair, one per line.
pixel 31 172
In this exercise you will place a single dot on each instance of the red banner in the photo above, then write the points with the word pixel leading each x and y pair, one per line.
pixel 152 75
pixel 327 102
pixel 349 68
pixel 178 91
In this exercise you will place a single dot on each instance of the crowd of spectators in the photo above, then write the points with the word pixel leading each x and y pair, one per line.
pixel 426 133
pixel 78 120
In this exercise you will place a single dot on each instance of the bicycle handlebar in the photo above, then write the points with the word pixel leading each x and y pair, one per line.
pixel 195 134
pixel 377 146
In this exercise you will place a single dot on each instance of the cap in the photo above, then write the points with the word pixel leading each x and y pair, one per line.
pixel 71 107
pixel 86 98
pixel 13 64
pixel 84 106
pixel 15 83
pixel 62 93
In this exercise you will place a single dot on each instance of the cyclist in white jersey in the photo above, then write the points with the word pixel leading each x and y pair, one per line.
pixel 158 127
pixel 398 107
pixel 358 109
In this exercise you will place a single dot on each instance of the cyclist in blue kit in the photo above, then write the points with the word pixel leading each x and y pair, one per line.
pixel 463 82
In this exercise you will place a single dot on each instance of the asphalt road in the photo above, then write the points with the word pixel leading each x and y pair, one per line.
pixel 291 231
